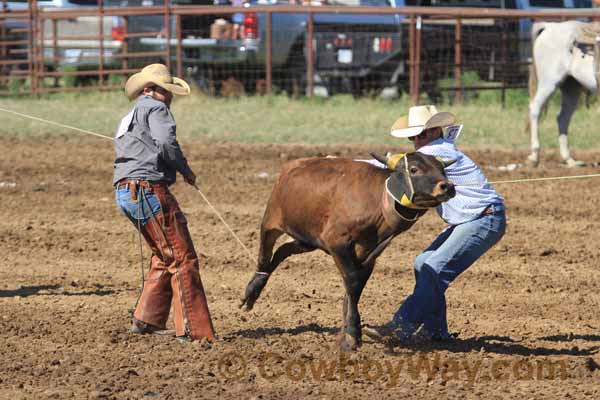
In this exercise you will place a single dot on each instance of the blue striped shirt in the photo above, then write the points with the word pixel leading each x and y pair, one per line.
pixel 470 201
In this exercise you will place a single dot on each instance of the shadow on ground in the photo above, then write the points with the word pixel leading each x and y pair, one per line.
pixel 53 290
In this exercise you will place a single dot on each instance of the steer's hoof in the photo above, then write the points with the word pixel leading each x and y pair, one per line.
pixel 573 163
pixel 247 304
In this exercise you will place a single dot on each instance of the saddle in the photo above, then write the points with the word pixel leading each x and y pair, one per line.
pixel 588 34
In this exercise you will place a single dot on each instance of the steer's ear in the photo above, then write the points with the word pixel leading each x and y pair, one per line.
pixel 446 163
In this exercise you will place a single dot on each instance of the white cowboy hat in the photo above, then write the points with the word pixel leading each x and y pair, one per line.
pixel 157 74
pixel 420 118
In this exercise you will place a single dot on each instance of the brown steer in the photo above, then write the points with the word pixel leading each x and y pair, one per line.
pixel 342 207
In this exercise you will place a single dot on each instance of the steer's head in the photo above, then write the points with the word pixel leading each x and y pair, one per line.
pixel 418 180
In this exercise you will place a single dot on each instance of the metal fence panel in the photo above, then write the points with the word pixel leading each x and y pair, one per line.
pixel 300 50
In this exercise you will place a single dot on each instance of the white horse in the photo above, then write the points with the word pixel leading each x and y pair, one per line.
pixel 557 63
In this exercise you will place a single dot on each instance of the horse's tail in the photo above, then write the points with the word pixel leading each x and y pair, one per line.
pixel 536 30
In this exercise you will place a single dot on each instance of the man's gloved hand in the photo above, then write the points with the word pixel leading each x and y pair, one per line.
pixel 190 179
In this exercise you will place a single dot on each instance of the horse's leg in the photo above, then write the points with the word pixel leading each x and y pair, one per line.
pixel 571 91
pixel 355 277
pixel 542 94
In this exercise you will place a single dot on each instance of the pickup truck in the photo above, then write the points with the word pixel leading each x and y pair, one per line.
pixel 354 53
pixel 72 43
pixel 68 48
pixel 348 49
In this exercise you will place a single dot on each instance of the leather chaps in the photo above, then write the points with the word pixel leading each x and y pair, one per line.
pixel 174 276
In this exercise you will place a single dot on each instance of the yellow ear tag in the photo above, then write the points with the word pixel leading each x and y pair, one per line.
pixel 394 159
pixel 405 201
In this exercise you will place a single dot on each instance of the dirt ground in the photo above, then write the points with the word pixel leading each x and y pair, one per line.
pixel 70 274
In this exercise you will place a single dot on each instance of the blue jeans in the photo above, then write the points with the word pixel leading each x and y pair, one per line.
pixel 450 254
pixel 141 210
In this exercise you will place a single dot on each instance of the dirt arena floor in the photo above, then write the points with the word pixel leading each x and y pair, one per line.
pixel 528 312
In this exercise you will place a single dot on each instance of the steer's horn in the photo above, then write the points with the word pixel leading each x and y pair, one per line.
pixel 446 163
pixel 391 162
pixel 379 158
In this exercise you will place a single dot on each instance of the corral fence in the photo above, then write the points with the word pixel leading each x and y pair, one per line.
pixel 422 49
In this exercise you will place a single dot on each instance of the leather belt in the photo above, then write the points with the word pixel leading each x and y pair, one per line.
pixel 133 185
pixel 492 209
pixel 488 210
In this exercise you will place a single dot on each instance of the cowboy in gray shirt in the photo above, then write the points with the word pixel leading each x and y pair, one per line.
pixel 149 150
pixel 147 160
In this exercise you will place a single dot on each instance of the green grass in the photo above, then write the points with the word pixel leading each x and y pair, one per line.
pixel 277 119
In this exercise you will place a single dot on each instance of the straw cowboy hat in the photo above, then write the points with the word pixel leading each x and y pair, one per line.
pixel 155 74
pixel 420 118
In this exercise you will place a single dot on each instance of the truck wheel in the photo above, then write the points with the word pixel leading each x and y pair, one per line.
pixel 369 86
pixel 357 87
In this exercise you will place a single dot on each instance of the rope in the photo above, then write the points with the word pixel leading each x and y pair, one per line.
pixel 55 123
pixel 110 138
pixel 225 223
pixel 139 226
pixel 551 178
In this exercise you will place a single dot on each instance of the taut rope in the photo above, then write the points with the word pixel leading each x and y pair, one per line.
pixel 550 178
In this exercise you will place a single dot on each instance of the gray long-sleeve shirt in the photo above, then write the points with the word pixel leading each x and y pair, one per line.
pixel 148 150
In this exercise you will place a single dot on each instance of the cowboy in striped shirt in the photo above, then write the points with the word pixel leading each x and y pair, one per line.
pixel 476 221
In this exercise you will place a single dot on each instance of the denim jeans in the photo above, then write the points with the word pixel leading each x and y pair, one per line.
pixel 450 254
pixel 145 207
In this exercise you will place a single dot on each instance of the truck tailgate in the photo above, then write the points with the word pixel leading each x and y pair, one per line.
pixel 356 51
